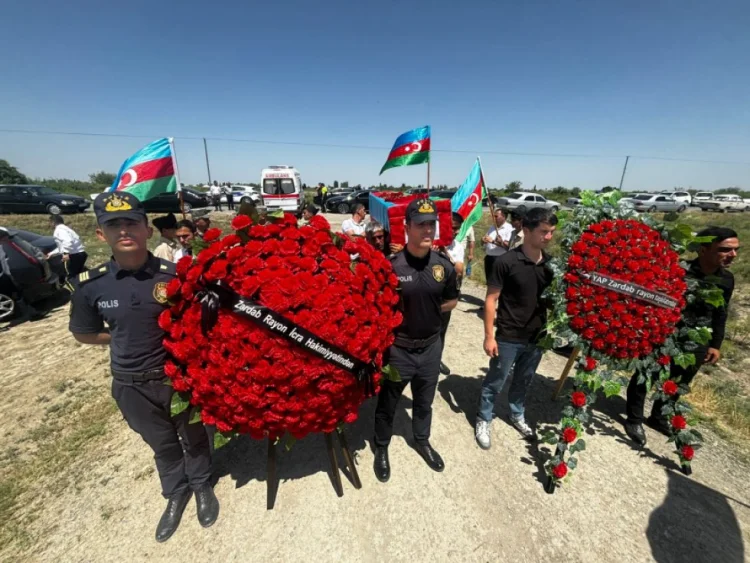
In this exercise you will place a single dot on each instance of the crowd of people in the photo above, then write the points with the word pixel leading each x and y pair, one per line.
pixel 430 279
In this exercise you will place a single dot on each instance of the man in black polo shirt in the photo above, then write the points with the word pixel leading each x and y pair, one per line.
pixel 514 289
pixel 428 289
pixel 128 294
pixel 710 266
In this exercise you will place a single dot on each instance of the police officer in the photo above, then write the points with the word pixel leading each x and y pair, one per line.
pixel 428 289
pixel 127 294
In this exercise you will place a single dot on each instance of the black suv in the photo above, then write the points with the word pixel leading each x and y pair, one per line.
pixel 38 199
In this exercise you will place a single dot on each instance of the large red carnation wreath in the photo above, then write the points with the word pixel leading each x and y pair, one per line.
pixel 244 378
pixel 615 322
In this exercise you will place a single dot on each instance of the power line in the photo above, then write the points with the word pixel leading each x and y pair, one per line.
pixel 367 147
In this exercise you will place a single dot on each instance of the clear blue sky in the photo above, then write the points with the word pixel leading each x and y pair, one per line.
pixel 651 78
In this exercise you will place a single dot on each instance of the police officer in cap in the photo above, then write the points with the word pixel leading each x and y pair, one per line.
pixel 118 304
pixel 428 289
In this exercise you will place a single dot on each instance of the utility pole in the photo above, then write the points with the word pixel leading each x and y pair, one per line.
pixel 622 178
pixel 208 166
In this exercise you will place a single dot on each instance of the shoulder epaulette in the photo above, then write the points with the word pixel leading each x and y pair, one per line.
pixel 92 274
pixel 167 267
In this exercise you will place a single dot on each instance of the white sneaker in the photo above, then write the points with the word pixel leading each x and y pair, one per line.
pixel 526 431
pixel 482 434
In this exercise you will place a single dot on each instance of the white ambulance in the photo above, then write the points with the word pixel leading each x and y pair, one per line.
pixel 281 188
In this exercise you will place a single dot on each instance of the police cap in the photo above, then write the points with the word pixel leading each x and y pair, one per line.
pixel 420 211
pixel 118 205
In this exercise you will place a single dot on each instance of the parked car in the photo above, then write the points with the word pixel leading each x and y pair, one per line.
pixel 345 203
pixel 165 203
pixel 657 203
pixel 724 203
pixel 38 199
pixel 701 196
pixel 526 200
pixel 442 194
pixel 24 270
pixel 241 194
pixel 682 197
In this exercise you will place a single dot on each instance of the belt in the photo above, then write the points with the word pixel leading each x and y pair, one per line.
pixel 406 342
pixel 139 376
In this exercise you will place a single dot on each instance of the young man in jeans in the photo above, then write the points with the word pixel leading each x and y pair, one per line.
pixel 514 288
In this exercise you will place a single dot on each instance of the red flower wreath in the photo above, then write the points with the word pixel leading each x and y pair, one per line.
pixel 615 324
pixel 245 378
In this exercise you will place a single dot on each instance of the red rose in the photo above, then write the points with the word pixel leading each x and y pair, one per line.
pixel 569 435
pixel 578 399
pixel 211 235
pixel 687 452
pixel 241 222
pixel 590 364
pixel 678 422
pixel 669 387
pixel 664 360
pixel 560 470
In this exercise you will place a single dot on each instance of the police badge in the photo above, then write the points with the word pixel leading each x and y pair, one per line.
pixel 438 272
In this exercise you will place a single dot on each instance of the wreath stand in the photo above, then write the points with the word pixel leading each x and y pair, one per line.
pixel 272 479
pixel 566 371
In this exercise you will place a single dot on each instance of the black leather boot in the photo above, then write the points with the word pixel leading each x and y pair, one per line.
pixel 208 505
pixel 431 457
pixel 382 465
pixel 170 520
pixel 636 433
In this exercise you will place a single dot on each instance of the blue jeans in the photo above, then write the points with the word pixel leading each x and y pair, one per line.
pixel 526 357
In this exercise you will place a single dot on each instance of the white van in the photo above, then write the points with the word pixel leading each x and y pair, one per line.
pixel 281 188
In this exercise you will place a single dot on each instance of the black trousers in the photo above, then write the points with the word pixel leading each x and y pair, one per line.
pixel 230 202
pixel 488 262
pixel 76 264
pixel 419 367
pixel 217 202
pixel 637 392
pixel 181 450
pixel 444 330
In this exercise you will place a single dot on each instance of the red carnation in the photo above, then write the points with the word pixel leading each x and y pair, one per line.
pixel 578 399
pixel 669 387
pixel 590 364
pixel 560 470
pixel 678 422
pixel 664 360
pixel 241 222
pixel 569 435
pixel 687 452
pixel 211 234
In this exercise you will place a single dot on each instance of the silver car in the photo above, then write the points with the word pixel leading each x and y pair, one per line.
pixel 657 203
pixel 527 200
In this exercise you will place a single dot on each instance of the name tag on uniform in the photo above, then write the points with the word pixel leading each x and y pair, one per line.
pixel 405 278
pixel 111 304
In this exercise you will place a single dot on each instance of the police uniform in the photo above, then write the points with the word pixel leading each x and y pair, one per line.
pixel 425 283
pixel 129 303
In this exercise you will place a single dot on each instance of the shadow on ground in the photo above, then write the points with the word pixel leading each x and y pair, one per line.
pixel 694 523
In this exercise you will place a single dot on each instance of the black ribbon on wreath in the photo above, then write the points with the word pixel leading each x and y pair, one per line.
pixel 218 295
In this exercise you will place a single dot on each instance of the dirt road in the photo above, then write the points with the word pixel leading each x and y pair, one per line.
pixel 88 492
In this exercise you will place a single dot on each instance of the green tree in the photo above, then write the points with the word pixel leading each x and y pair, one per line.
pixel 344 184
pixel 513 186
pixel 10 174
pixel 102 178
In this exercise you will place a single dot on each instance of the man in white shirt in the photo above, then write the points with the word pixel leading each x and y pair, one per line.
pixel 496 240
pixel 69 246
pixel 215 193
pixel 355 227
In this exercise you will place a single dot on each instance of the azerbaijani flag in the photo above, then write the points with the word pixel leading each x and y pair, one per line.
pixel 467 201
pixel 149 172
pixel 413 147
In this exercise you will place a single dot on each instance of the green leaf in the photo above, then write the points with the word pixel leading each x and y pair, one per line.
pixel 713 296
pixel 572 462
pixel 179 403
pixel 289 442
pixel 276 214
pixel 611 388
pixel 221 440
pixel 700 335
pixel 195 417
pixel 684 360
pixel 391 373
pixel 168 382
pixel 550 438
pixel 581 443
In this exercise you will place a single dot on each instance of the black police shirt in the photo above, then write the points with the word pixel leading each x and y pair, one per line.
pixel 425 284
pixel 130 304
pixel 521 312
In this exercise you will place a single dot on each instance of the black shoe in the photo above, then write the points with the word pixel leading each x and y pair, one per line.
pixel 170 520
pixel 431 457
pixel 445 370
pixel 381 465
pixel 208 505
pixel 636 433
pixel 659 424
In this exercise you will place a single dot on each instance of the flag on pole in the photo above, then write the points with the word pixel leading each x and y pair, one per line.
pixel 149 172
pixel 413 147
pixel 467 201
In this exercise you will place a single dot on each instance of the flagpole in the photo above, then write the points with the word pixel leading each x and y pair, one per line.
pixel 177 176
pixel 489 199
pixel 428 176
